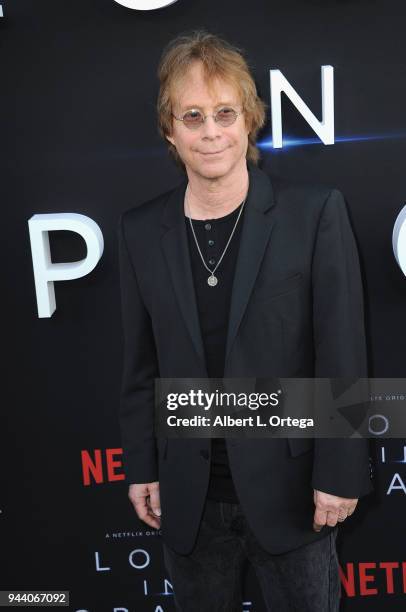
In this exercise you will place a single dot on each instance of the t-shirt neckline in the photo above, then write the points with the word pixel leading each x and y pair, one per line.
pixel 222 219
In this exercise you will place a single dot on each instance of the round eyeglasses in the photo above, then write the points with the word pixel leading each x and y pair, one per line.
pixel 193 118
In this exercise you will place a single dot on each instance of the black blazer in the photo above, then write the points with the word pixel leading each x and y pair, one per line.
pixel 296 311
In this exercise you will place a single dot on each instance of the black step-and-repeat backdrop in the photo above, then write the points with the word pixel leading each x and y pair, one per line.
pixel 79 145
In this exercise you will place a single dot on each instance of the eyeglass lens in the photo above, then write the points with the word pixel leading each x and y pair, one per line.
pixel 224 116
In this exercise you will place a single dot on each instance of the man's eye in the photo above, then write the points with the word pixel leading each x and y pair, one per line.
pixel 223 112
pixel 192 116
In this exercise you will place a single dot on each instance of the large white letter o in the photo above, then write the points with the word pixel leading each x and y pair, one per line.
pixel 399 240
pixel 145 5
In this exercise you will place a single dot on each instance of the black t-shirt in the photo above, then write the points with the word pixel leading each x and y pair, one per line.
pixel 213 304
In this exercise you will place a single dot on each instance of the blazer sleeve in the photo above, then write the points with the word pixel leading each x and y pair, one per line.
pixel 140 368
pixel 341 466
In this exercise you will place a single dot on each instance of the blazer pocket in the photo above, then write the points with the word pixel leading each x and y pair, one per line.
pixel 268 291
pixel 298 446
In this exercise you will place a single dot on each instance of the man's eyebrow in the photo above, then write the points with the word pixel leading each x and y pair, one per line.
pixel 227 103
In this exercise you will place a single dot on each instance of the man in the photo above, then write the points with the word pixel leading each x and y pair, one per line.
pixel 232 274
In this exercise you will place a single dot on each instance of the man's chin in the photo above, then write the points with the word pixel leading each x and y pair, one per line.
pixel 213 170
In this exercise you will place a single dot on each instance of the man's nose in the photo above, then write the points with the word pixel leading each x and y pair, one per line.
pixel 210 128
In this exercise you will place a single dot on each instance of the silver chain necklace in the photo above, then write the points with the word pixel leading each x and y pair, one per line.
pixel 212 280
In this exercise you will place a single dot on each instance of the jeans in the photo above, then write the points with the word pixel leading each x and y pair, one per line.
pixel 209 579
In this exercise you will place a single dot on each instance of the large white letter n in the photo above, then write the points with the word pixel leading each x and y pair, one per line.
pixel 46 272
pixel 325 128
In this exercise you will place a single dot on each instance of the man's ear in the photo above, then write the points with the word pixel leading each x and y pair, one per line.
pixel 171 140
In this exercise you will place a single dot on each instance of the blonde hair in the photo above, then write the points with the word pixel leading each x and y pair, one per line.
pixel 220 60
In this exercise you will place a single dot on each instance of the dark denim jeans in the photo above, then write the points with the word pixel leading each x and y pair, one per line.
pixel 210 578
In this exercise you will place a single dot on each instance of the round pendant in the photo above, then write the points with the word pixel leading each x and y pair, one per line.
pixel 212 280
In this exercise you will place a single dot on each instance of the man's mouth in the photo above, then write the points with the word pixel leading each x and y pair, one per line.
pixel 212 152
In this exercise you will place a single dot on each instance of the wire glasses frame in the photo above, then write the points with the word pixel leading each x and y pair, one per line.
pixel 193 118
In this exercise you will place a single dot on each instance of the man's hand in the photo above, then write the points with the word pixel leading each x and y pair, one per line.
pixel 145 499
pixel 330 509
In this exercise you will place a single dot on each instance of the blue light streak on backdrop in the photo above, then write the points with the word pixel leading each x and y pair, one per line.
pixel 299 142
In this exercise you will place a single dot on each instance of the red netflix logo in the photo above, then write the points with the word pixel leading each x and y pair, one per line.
pixel 100 466
pixel 390 575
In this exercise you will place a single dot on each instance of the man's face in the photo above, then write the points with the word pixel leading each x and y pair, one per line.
pixel 210 151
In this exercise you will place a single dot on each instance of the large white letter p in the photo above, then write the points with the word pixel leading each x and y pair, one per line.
pixel 46 272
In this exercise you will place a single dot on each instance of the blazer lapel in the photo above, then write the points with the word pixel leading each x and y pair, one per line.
pixel 176 249
pixel 256 230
